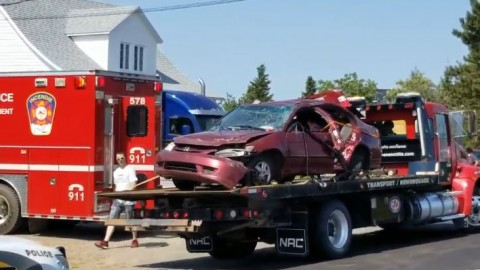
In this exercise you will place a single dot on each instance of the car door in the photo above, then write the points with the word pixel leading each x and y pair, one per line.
pixel 320 143
pixel 295 160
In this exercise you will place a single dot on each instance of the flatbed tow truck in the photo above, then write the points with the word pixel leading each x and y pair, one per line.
pixel 425 179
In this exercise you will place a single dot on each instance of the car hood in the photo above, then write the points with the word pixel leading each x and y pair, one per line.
pixel 218 138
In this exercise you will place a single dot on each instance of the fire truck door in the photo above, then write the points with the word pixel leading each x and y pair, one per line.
pixel 139 131
pixel 43 181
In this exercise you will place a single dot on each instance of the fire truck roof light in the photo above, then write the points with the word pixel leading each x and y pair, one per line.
pixel 100 81
pixel 158 87
pixel 80 82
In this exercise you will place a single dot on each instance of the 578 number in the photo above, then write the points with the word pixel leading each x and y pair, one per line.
pixel 137 101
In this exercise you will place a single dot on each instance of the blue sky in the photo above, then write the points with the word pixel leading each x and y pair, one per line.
pixel 380 40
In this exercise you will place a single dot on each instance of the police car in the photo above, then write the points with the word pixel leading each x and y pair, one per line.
pixel 19 253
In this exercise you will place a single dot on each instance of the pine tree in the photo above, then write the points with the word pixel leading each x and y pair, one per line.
pixel 259 88
pixel 310 87
pixel 460 86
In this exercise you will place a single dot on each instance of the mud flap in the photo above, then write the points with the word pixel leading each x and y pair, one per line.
pixel 199 243
pixel 293 240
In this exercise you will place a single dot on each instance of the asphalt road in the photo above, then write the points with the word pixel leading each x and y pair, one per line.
pixel 437 246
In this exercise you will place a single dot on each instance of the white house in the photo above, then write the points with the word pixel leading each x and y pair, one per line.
pixel 70 35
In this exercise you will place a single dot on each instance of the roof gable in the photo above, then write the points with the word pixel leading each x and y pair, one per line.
pixel 96 21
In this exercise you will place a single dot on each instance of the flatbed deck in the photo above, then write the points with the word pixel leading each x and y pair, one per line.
pixel 297 189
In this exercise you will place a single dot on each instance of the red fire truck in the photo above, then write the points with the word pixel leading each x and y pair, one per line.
pixel 425 178
pixel 59 135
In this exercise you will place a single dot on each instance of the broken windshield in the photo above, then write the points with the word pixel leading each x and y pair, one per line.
pixel 261 117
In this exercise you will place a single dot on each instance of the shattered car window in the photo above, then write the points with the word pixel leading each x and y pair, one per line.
pixel 261 117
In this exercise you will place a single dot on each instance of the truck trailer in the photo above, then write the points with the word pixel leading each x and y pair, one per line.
pixel 425 178
pixel 187 112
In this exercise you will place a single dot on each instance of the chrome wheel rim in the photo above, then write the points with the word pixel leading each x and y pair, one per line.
pixel 474 218
pixel 264 171
pixel 337 229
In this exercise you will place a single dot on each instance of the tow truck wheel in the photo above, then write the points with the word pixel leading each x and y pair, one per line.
pixel 472 222
pixel 231 249
pixel 10 218
pixel 331 231
pixel 266 168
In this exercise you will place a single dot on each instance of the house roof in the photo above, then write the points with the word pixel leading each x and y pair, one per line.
pixel 47 24
pixel 96 21
pixel 172 78
pixel 102 21
pixel 43 23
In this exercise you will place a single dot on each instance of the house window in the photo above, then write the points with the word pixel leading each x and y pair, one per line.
pixel 121 54
pixel 138 58
pixel 140 64
pixel 135 58
pixel 124 55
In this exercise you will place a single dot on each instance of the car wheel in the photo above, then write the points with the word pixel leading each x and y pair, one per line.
pixel 266 169
pixel 184 184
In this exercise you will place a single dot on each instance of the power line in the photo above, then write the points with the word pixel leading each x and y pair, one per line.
pixel 108 11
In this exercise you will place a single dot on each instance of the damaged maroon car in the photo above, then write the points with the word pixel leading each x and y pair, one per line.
pixel 276 141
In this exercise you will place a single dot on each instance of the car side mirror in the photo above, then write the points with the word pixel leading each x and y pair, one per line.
pixel 186 129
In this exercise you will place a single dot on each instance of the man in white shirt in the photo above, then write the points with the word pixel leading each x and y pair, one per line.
pixel 124 178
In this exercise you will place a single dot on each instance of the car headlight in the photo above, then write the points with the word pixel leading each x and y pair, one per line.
pixel 170 146
pixel 232 152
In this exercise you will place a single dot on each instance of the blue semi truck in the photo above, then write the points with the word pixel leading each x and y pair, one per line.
pixel 187 112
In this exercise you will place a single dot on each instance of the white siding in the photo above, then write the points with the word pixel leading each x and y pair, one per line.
pixel 16 53
pixel 134 32
pixel 95 47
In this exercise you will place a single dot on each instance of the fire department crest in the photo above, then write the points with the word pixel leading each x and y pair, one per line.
pixel 41 110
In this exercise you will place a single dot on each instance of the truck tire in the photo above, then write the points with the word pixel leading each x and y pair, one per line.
pixel 224 248
pixel 331 231
pixel 184 184
pixel 267 169
pixel 10 216
pixel 471 224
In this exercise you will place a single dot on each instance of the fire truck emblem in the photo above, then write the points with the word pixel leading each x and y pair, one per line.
pixel 41 110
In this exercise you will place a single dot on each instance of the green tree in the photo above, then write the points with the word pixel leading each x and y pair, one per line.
pixel 351 86
pixel 417 82
pixel 259 88
pixel 310 87
pixel 325 85
pixel 230 103
pixel 460 86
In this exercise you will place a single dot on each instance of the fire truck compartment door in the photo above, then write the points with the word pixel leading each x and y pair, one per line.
pixel 60 182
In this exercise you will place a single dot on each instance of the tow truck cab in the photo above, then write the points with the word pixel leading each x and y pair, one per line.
pixel 410 125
